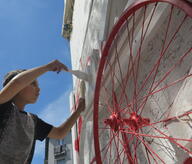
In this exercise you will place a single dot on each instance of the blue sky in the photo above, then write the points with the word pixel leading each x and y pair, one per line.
pixel 30 36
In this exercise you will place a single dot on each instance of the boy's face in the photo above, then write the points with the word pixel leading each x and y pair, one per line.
pixel 29 94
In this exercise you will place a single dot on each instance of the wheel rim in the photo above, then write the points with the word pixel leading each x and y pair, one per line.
pixel 131 106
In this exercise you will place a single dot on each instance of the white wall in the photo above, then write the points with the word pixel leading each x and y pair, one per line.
pixel 92 22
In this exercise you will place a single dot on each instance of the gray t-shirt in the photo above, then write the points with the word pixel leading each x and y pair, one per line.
pixel 18 132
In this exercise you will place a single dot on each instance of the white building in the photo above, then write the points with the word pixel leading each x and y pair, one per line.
pixel 59 151
pixel 138 110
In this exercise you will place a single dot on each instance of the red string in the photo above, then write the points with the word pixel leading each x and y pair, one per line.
pixel 80 120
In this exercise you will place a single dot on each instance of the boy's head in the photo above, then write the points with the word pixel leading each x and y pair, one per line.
pixel 10 75
pixel 27 95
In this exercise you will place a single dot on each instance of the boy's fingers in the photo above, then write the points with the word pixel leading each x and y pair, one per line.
pixel 56 66
pixel 81 100
pixel 81 103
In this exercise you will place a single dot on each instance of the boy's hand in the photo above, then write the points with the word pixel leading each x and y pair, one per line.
pixel 81 105
pixel 56 66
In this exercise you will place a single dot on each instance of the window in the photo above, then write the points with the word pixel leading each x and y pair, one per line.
pixel 62 142
pixel 61 161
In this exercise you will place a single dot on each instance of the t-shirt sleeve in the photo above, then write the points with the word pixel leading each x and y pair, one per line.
pixel 42 129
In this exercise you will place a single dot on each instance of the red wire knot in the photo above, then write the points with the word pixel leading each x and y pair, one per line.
pixel 114 122
pixel 188 161
pixel 135 121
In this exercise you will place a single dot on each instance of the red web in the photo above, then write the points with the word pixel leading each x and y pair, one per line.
pixel 126 135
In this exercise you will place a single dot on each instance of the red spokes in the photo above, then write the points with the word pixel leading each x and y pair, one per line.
pixel 144 70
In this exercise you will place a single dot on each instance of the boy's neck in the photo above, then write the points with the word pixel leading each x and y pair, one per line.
pixel 19 106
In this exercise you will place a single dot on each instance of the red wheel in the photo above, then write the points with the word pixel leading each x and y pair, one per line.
pixel 142 86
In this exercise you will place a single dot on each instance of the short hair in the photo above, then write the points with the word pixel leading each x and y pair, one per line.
pixel 10 75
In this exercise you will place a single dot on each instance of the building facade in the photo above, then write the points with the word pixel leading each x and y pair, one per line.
pixel 59 151
pixel 96 27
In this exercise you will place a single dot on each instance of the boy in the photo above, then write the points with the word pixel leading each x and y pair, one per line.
pixel 18 129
